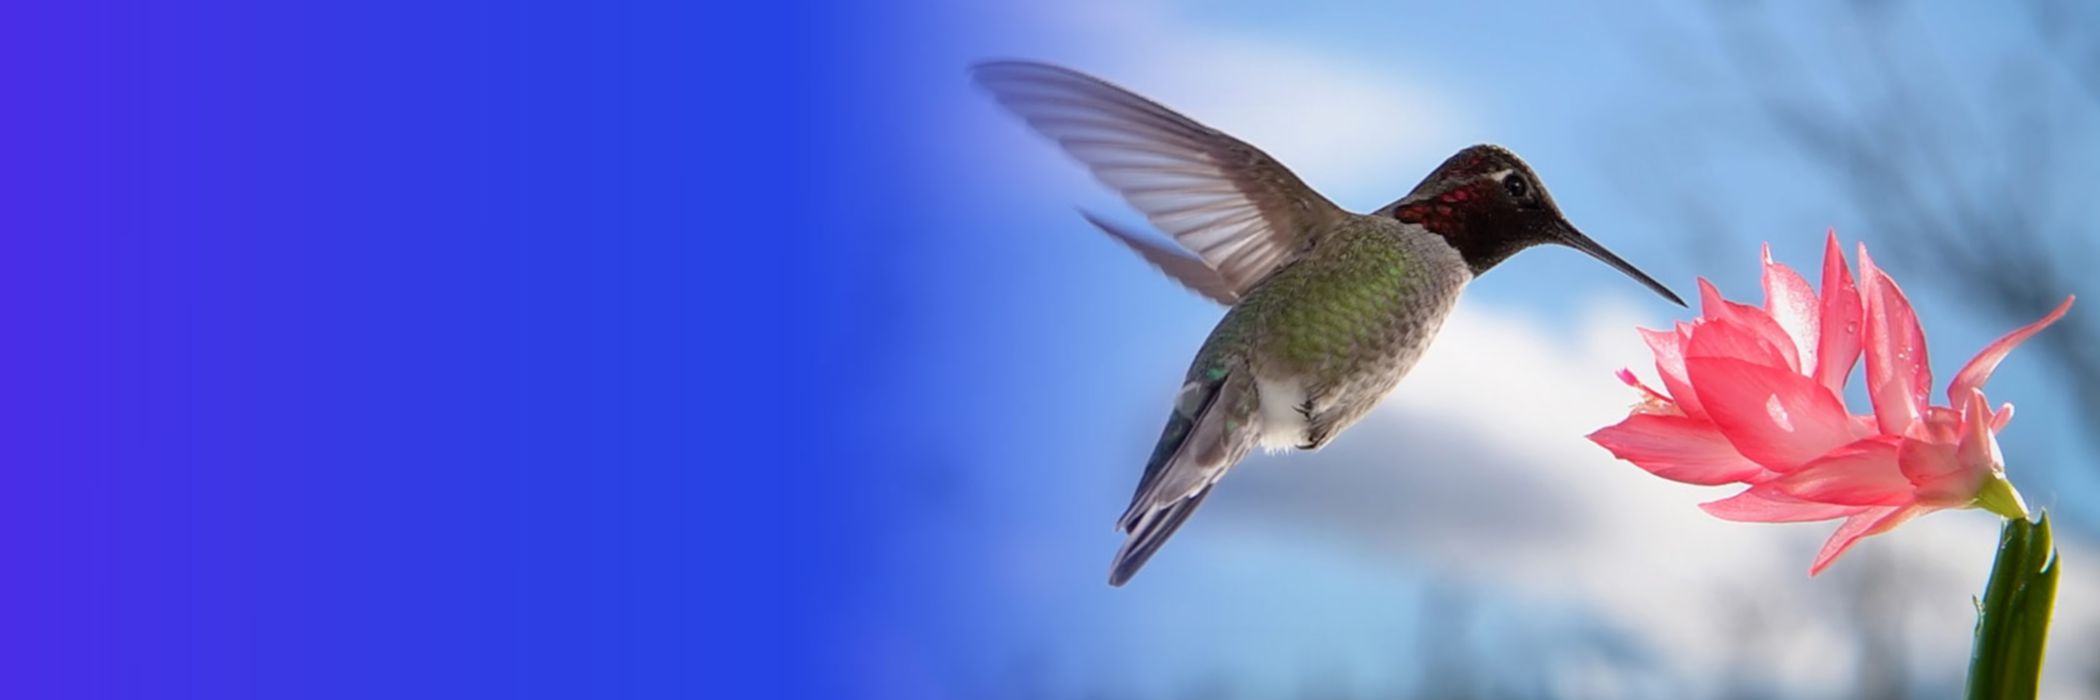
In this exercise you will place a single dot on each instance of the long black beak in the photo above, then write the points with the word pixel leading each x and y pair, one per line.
pixel 1574 239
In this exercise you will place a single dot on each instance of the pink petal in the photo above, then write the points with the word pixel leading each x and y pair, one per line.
pixel 1938 424
pixel 1950 470
pixel 1936 472
pixel 1747 318
pixel 1863 473
pixel 1863 427
pixel 1764 506
pixel 1979 369
pixel 1792 304
pixel 1978 446
pixel 2002 417
pixel 1872 521
pixel 1894 412
pixel 1898 376
pixel 1668 347
pixel 1726 339
pixel 1776 418
pixel 1837 346
pixel 1676 448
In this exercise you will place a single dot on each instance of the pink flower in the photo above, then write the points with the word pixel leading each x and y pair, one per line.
pixel 1756 396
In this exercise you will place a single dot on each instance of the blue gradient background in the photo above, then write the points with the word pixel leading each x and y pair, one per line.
pixel 411 350
pixel 639 350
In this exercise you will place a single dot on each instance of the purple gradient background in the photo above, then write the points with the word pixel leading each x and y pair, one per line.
pixel 408 350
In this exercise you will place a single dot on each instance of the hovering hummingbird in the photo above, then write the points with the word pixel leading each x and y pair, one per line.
pixel 1329 309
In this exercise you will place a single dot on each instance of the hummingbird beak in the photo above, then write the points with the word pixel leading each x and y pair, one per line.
pixel 1574 239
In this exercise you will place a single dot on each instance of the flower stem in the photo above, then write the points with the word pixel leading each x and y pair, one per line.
pixel 2012 621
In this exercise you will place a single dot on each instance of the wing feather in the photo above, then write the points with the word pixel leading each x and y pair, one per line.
pixel 1241 212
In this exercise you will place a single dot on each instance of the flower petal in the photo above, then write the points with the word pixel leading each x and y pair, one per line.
pixel 1899 378
pixel 1872 521
pixel 1727 339
pixel 1864 427
pixel 1837 345
pixel 1776 418
pixel 1979 448
pixel 1863 473
pixel 1676 448
pixel 1978 371
pixel 1668 347
pixel 1792 304
pixel 1938 424
pixel 1747 318
pixel 1766 506
pixel 1936 472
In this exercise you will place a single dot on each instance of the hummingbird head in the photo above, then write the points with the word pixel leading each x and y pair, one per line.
pixel 1488 204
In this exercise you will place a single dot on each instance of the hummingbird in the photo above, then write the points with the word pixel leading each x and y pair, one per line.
pixel 1328 309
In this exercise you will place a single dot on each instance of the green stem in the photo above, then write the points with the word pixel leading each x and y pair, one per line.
pixel 2012 621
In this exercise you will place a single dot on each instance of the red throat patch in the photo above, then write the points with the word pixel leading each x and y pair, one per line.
pixel 1445 213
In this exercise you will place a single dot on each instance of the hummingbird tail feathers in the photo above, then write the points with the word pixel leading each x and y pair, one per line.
pixel 1151 531
pixel 1213 425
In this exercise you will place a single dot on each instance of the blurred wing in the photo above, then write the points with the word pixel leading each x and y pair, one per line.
pixel 1178 264
pixel 1236 208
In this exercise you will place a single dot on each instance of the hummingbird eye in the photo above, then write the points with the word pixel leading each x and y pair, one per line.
pixel 1516 186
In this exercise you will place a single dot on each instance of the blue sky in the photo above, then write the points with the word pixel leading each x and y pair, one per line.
pixel 1033 360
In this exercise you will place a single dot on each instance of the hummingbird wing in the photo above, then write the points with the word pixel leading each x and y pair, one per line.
pixel 1213 425
pixel 1190 271
pixel 1236 208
